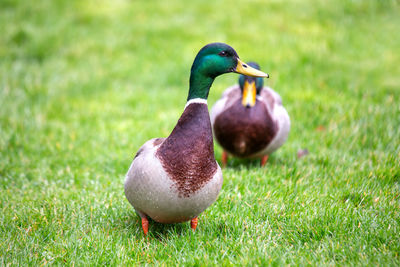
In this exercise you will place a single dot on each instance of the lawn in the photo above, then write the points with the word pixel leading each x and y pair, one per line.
pixel 83 84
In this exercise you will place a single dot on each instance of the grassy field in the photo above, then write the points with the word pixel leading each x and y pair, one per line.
pixel 83 84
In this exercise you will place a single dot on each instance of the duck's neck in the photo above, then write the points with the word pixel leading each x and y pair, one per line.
pixel 199 85
pixel 196 100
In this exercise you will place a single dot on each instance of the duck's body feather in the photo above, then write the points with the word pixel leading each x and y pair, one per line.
pixel 174 179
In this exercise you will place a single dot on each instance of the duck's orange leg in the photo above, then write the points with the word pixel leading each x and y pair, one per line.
pixel 193 223
pixel 224 158
pixel 145 225
pixel 264 160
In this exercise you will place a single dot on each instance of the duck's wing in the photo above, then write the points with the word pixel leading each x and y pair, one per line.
pixel 273 102
pixel 144 166
pixel 270 98
pixel 229 96
pixel 145 149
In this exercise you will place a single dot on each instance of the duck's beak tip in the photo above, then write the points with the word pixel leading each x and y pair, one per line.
pixel 245 69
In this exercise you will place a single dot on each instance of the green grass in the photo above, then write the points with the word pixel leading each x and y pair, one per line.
pixel 83 84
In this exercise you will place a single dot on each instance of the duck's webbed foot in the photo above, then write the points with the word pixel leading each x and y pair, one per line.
pixel 224 158
pixel 193 223
pixel 264 160
pixel 145 223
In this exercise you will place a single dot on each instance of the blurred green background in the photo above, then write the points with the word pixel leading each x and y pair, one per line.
pixel 83 84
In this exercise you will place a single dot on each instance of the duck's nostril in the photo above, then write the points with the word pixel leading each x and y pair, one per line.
pixel 244 65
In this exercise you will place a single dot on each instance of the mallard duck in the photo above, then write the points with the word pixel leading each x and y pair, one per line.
pixel 174 179
pixel 249 120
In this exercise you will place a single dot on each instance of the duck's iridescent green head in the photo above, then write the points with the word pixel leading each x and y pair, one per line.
pixel 213 60
pixel 250 87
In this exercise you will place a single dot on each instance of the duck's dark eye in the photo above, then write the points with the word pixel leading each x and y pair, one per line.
pixel 223 53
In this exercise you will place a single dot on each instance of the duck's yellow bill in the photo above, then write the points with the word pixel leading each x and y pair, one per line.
pixel 249 94
pixel 245 69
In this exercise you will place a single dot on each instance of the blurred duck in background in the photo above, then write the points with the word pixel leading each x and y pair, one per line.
pixel 249 120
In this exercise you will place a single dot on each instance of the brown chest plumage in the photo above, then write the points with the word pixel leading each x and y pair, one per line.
pixel 187 155
pixel 244 131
